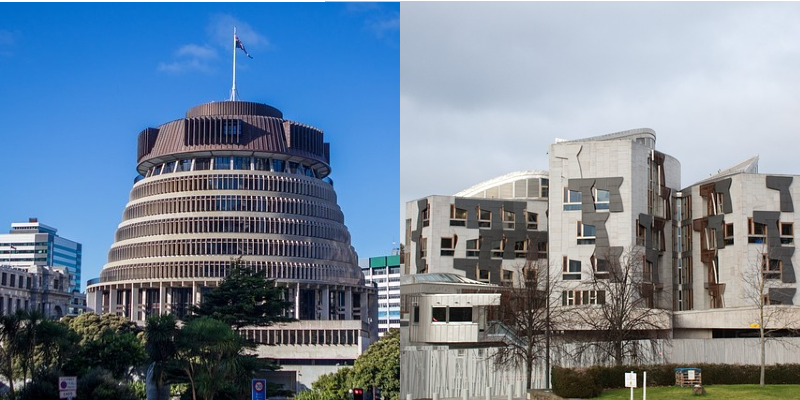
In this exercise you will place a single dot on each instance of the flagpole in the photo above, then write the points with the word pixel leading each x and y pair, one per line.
pixel 234 94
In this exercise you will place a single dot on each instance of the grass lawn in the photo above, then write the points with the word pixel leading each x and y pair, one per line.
pixel 727 392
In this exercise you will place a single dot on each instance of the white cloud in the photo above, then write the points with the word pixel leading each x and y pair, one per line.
pixel 191 57
pixel 220 32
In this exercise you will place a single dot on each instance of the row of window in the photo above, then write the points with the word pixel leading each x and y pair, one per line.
pixel 232 163
pixel 383 270
pixel 15 281
pixel 573 199
pixel 236 224
pixel 571 269
pixel 446 315
pixel 473 247
pixel 269 183
pixel 219 269
pixel 274 337
pixel 262 204
pixel 234 247
pixel 582 297
pixel 458 217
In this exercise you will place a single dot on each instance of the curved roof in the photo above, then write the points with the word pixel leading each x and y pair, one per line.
pixel 440 278
pixel 631 134
pixel 233 128
pixel 501 180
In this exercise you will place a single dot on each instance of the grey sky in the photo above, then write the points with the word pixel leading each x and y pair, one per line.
pixel 486 87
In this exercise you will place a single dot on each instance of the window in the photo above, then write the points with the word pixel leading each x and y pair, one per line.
pixel 458 216
pixel 571 269
pixel 484 275
pixel 508 219
pixel 473 247
pixel 545 187
pixel 641 234
pixel 787 233
pixel 223 163
pixel 202 164
pixel 278 165
pixel 728 233
pixel 771 268
pixel 521 249
pixel 586 233
pixel 601 199
pixel 484 218
pixel 600 267
pixel 423 247
pixel 533 220
pixel 508 276
pixel 439 314
pixel 711 238
pixel 498 247
pixel 416 314
pixel 582 297
pixel 425 214
pixel 448 246
pixel 756 232
pixel 460 314
pixel 572 200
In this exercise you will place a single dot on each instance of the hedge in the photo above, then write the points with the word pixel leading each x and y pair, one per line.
pixel 590 382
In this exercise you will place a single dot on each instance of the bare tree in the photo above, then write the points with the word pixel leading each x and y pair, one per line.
pixel 624 306
pixel 525 317
pixel 764 290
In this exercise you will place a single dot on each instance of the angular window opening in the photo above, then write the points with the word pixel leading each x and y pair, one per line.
pixel 508 219
pixel 458 216
pixel 484 218
pixel 498 248
pixel 586 233
pixel 484 275
pixel 787 232
pixel 473 247
pixel 532 220
pixel 572 200
pixel 771 268
pixel 602 199
pixel 448 246
pixel 571 269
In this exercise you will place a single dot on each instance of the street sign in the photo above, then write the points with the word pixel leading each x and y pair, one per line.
pixel 259 389
pixel 67 383
pixel 67 394
pixel 630 379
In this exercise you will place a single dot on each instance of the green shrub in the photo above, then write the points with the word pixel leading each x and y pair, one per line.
pixel 577 382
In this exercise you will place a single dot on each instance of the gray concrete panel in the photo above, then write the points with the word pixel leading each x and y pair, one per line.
pixel 782 183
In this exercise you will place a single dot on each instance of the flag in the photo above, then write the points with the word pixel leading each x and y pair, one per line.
pixel 239 45
pixel 13 248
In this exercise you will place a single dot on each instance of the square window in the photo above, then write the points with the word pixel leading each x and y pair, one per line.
pixel 473 247
pixel 439 314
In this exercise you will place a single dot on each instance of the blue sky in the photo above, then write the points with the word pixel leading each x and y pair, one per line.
pixel 78 82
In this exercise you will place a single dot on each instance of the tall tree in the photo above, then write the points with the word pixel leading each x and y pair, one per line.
pixel 379 366
pixel 159 333
pixel 627 307
pixel 527 309
pixel 245 297
pixel 10 326
pixel 209 352
pixel 772 303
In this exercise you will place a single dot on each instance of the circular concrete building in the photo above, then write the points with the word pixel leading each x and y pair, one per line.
pixel 234 179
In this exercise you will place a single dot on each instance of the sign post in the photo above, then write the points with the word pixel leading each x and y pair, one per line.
pixel 630 381
pixel 259 389
pixel 67 387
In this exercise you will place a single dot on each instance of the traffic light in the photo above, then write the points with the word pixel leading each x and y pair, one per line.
pixel 358 394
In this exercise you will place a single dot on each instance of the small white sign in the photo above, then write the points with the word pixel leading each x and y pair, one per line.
pixel 67 383
pixel 67 394
pixel 630 379
pixel 691 374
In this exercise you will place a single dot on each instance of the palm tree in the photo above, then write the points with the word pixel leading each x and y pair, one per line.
pixel 30 325
pixel 10 325
pixel 209 353
pixel 159 334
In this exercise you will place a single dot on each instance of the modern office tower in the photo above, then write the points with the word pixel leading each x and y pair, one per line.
pixel 33 243
pixel 235 179
pixel 486 233
pixel 384 274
